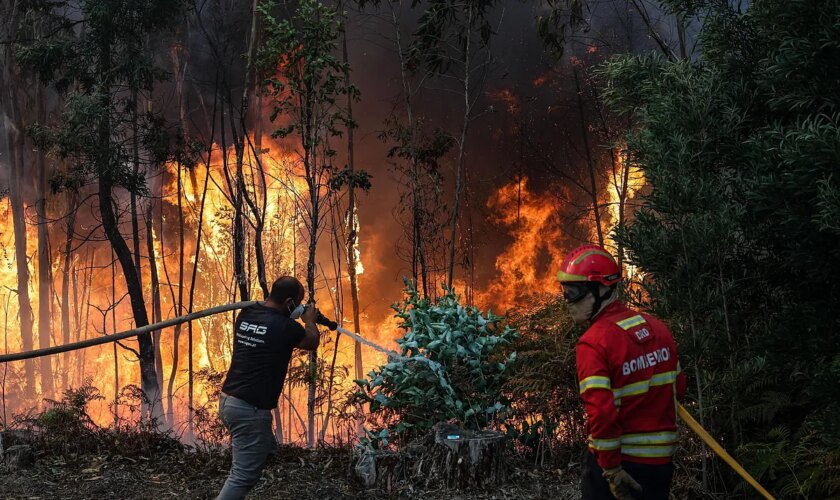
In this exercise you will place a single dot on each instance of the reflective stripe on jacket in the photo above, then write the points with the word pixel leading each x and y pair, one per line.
pixel 629 381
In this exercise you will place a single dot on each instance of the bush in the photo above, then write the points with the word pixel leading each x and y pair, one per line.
pixel 65 426
pixel 454 371
pixel 546 417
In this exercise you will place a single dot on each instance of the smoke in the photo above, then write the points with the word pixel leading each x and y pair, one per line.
pixel 521 206
pixel 526 91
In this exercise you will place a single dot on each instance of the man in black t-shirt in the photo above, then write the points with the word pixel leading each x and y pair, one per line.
pixel 263 339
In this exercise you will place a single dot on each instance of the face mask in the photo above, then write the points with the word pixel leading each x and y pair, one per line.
pixel 297 311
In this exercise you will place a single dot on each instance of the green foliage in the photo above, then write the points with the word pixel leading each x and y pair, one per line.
pixel 67 418
pixel 448 26
pixel 65 429
pixel 98 58
pixel 738 238
pixel 305 77
pixel 454 372
pixel 416 145
pixel 417 152
pixel 357 179
pixel 561 17
pixel 546 417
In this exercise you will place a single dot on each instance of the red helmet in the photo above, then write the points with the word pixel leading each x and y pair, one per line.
pixel 589 263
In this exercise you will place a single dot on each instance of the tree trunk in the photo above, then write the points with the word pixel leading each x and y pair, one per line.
pixel 590 162
pixel 310 284
pixel 16 148
pixel 463 459
pixel 110 224
pixel 44 261
pixel 190 381
pixel 461 165
pixel 176 337
pixel 135 225
pixel 114 344
pixel 352 218
pixel 16 143
pixel 155 284
pixel 72 202
pixel 148 375
pixel 448 455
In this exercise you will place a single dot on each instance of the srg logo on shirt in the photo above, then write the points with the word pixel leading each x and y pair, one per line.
pixel 251 327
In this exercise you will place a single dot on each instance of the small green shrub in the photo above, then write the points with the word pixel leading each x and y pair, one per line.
pixel 454 371
pixel 65 425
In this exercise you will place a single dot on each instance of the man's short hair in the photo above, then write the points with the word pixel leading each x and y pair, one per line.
pixel 287 287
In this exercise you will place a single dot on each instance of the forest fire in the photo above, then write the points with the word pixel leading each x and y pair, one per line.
pixel 531 261
pixel 422 173
pixel 215 224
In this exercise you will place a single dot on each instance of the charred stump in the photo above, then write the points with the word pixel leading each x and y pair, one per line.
pixel 16 450
pixel 462 459
pixel 380 469
pixel 448 455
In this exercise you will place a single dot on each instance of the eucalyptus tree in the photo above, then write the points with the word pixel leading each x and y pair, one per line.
pixel 452 42
pixel 15 139
pixel 301 53
pixel 97 60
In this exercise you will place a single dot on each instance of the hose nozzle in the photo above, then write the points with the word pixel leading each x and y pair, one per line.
pixel 324 321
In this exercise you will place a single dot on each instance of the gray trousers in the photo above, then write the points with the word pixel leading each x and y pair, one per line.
pixel 252 442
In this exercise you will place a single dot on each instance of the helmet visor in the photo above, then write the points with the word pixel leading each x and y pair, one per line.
pixel 573 292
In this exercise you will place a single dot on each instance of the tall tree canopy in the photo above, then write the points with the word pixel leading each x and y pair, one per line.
pixel 739 234
pixel 98 58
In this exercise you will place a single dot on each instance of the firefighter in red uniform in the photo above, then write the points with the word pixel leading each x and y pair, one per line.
pixel 630 382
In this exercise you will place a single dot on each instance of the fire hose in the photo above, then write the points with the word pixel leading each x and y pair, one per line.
pixel 698 429
pixel 332 325
pixel 114 337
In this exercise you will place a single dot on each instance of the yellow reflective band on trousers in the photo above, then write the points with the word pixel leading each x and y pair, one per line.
pixel 641 444
pixel 652 451
pixel 594 382
pixel 604 444
pixel 629 323
pixel 648 438
pixel 644 386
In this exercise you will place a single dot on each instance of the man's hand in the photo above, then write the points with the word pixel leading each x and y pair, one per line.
pixel 622 484
pixel 312 338
pixel 309 314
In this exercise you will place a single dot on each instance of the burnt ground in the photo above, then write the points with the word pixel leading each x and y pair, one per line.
pixel 294 473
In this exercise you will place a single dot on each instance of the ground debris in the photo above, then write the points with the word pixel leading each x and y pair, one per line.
pixel 323 474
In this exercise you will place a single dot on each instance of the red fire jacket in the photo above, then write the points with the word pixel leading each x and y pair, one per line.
pixel 630 381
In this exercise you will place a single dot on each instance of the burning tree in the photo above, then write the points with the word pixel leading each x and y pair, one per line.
pixel 308 80
pixel 98 71
pixel 453 42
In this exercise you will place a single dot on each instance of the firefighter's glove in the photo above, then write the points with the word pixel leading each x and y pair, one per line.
pixel 622 485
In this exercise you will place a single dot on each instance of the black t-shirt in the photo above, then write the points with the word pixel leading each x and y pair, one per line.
pixel 263 340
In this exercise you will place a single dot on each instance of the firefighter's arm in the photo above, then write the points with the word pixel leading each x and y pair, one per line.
pixel 596 392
